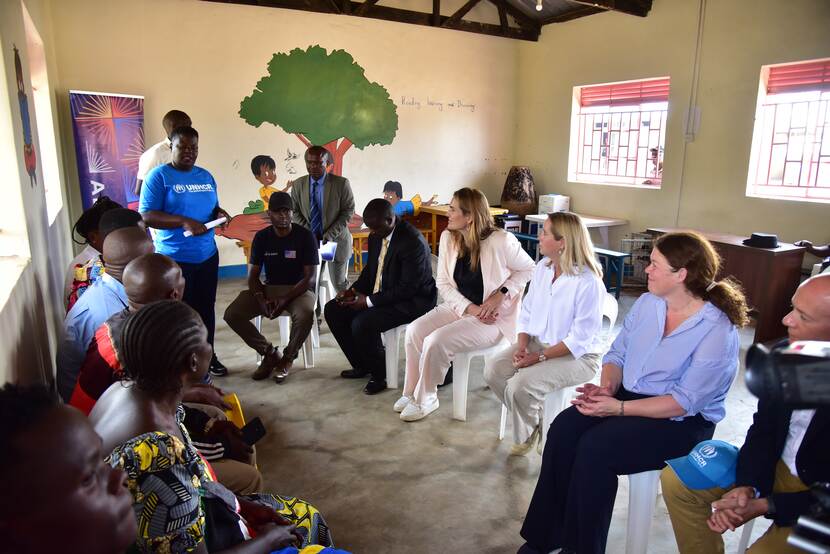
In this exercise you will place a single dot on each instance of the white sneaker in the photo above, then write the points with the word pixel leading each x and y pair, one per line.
pixel 414 411
pixel 402 403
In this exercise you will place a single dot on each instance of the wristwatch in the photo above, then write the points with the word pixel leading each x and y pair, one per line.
pixel 771 512
pixel 503 290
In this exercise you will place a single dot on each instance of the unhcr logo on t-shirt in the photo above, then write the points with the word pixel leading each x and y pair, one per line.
pixel 193 187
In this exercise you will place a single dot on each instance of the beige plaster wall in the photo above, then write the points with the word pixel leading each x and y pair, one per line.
pixel 704 181
pixel 206 57
pixel 30 307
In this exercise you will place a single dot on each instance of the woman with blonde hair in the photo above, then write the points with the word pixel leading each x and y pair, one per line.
pixel 482 272
pixel 559 323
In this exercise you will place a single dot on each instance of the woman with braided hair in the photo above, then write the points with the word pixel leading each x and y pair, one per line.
pixel 179 505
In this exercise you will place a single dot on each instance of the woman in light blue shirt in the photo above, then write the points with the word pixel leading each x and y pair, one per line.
pixel 662 391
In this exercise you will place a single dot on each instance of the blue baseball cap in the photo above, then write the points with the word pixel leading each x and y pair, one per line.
pixel 710 464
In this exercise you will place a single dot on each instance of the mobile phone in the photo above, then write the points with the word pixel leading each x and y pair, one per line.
pixel 253 431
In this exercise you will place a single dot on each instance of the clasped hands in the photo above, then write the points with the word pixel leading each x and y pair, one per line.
pixel 488 311
pixel 271 307
pixel 735 508
pixel 523 358
pixel 596 401
pixel 350 298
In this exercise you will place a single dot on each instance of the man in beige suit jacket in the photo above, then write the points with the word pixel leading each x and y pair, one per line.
pixel 334 196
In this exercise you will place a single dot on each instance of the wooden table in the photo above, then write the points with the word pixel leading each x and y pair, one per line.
pixel 769 277
pixel 591 222
pixel 357 247
pixel 439 220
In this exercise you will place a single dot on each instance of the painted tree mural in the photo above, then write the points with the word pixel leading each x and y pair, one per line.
pixel 323 99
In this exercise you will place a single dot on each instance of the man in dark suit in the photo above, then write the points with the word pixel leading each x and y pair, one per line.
pixel 395 287
pixel 785 452
pixel 323 204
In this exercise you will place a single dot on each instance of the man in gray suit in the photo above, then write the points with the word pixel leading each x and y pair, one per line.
pixel 324 204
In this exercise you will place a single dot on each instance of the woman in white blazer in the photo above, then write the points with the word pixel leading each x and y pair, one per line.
pixel 482 272
pixel 559 323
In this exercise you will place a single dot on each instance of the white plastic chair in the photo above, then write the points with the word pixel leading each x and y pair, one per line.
pixel 461 375
pixel 642 497
pixel 392 341
pixel 284 322
pixel 558 400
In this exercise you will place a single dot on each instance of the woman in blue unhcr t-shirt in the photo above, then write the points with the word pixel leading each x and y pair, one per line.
pixel 179 197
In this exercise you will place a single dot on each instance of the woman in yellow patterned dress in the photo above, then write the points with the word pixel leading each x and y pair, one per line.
pixel 179 505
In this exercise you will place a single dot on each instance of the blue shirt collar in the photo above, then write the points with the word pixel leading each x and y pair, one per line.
pixel 321 181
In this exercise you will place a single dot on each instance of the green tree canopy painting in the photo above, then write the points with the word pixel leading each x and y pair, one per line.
pixel 322 98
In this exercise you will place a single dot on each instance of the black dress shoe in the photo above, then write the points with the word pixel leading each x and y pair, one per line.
pixel 353 374
pixel 374 387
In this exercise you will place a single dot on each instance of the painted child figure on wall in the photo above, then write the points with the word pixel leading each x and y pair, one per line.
pixel 264 169
pixel 393 193
pixel 29 157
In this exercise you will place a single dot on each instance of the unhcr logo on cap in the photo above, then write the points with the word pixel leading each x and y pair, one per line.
pixel 710 464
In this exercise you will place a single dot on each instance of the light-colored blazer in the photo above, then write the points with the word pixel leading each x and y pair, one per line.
pixel 503 264
pixel 338 208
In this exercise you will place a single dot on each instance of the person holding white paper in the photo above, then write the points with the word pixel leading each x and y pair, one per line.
pixel 178 197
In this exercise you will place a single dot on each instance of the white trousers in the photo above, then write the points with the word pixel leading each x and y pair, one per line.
pixel 431 342
pixel 523 390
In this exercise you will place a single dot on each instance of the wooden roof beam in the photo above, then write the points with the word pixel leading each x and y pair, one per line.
pixel 364 7
pixel 460 13
pixel 639 8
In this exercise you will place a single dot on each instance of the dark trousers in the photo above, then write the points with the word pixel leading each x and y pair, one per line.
pixel 200 290
pixel 571 506
pixel 358 334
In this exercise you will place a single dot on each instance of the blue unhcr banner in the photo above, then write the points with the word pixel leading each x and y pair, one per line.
pixel 109 140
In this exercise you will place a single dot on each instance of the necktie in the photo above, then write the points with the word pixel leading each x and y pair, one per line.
pixel 379 275
pixel 316 211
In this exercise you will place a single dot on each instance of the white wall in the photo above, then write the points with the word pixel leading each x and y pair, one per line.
pixel 704 181
pixel 212 56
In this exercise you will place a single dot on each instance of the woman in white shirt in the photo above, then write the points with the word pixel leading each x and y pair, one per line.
pixel 559 324
pixel 482 272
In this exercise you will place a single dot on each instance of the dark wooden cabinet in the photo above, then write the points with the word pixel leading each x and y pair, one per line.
pixel 769 277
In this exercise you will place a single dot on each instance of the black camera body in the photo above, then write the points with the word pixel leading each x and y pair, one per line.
pixel 797 375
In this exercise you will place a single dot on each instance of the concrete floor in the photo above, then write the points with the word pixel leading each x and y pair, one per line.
pixel 437 485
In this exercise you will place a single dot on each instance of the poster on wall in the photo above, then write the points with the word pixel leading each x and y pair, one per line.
pixel 109 140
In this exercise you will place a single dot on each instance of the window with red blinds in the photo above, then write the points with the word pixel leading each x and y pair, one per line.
pixel 625 94
pixel 799 77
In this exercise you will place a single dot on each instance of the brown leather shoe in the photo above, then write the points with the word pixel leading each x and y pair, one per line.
pixel 267 365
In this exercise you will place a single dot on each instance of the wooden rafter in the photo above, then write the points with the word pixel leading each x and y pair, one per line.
pixel 436 13
pixel 503 17
pixel 632 7
pixel 461 12
pixel 364 7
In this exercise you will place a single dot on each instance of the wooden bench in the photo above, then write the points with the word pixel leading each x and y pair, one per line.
pixel 613 263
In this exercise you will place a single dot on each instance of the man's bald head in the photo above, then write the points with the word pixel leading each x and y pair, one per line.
pixel 123 246
pixel 152 277
pixel 810 316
